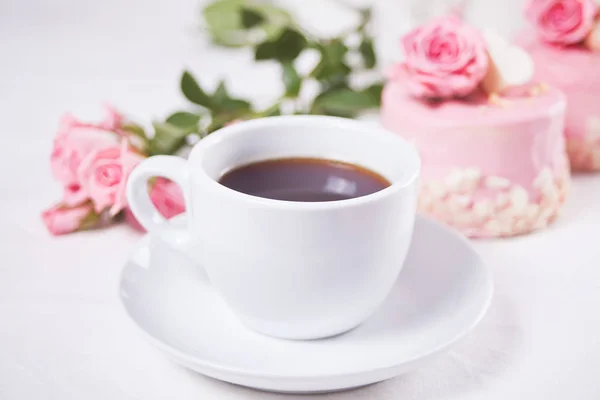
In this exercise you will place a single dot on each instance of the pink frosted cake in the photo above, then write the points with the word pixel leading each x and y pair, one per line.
pixel 565 45
pixel 493 165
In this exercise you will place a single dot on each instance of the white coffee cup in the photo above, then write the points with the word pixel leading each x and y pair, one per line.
pixel 296 270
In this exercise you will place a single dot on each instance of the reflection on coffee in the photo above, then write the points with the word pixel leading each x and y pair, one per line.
pixel 304 179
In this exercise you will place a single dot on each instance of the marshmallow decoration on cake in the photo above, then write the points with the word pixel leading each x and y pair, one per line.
pixel 492 145
pixel 565 44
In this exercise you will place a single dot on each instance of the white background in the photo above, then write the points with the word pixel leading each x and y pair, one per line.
pixel 63 334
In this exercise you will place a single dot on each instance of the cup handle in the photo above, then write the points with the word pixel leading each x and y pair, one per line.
pixel 138 197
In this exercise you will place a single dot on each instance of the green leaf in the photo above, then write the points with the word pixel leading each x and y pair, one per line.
pixel 269 112
pixel 237 107
pixel 223 15
pixel 368 53
pixel 331 69
pixel 291 79
pixel 220 94
pixel 183 119
pixel 272 32
pixel 218 121
pixel 335 51
pixel 338 80
pixel 230 39
pixel 344 102
pixel 277 20
pixel 285 48
pixel 273 14
pixel 265 51
pixel 251 18
pixel 135 129
pixel 365 17
pixel 228 21
pixel 168 138
pixel 222 102
pixel 375 91
pixel 272 111
pixel 192 91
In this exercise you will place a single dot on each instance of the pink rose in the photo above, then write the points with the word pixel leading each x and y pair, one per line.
pixel 130 219
pixel 166 197
pixel 445 58
pixel 103 175
pixel 71 147
pixel 61 219
pixel 74 195
pixel 562 21
pixel 75 141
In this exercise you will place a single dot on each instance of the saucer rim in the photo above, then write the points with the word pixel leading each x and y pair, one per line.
pixel 249 373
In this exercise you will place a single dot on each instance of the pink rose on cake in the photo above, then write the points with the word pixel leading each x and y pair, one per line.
pixel 563 22
pixel 448 59
pixel 444 58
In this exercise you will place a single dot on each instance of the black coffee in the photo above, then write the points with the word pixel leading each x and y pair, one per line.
pixel 304 179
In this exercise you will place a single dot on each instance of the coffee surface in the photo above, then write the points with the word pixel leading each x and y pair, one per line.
pixel 304 179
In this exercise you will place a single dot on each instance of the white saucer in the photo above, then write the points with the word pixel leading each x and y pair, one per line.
pixel 442 293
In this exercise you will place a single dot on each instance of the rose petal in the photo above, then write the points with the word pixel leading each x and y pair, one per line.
pixel 74 195
pixel 129 160
pixel 113 119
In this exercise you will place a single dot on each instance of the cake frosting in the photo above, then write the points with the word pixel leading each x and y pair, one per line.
pixel 490 167
pixel 493 163
pixel 577 73
pixel 568 57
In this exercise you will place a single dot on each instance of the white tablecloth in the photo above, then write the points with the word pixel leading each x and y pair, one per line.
pixel 63 334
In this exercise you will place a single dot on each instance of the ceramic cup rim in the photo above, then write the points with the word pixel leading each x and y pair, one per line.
pixel 411 162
